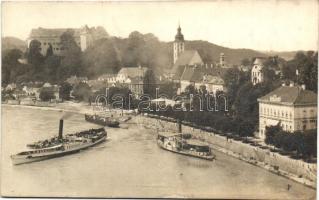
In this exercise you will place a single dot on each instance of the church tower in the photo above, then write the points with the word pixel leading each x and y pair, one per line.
pixel 179 44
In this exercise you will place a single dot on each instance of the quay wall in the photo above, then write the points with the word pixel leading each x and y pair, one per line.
pixel 297 170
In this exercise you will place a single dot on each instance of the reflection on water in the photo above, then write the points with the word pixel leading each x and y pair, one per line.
pixel 128 164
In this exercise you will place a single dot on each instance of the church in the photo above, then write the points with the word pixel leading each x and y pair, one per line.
pixel 190 69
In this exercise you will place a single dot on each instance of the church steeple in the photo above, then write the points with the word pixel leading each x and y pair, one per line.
pixel 179 45
pixel 179 36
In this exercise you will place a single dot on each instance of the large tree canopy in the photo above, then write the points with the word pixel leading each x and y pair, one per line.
pixel 101 58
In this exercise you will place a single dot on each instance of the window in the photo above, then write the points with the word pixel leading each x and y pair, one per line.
pixel 44 43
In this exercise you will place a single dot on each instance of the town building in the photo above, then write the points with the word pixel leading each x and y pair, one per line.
pixel 127 73
pixel 257 75
pixel 179 44
pixel 209 76
pixel 108 78
pixel 181 56
pixel 222 61
pixel 293 107
pixel 54 88
pixel 133 78
pixel 214 84
pixel 74 80
pixel 84 37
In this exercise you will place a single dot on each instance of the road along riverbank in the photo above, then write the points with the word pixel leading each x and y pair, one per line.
pixel 297 170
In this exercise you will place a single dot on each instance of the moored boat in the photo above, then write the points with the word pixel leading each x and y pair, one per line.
pixel 59 146
pixel 103 121
pixel 184 144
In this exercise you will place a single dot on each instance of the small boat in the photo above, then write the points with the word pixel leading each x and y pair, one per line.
pixel 184 144
pixel 103 121
pixel 59 146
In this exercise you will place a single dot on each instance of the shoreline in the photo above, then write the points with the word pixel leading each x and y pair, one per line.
pixel 68 108
pixel 304 181
pixel 78 108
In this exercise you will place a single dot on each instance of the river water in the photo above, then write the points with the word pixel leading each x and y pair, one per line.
pixel 128 164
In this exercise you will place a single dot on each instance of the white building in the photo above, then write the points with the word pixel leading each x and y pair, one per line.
pixel 214 84
pixel 84 37
pixel 257 75
pixel 293 107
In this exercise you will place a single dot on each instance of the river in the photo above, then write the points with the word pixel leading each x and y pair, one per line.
pixel 128 164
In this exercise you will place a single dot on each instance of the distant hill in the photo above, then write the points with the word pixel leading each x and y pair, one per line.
pixel 210 52
pixel 287 55
pixel 13 43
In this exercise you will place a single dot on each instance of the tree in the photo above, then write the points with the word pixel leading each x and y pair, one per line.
pixel 133 51
pixel 168 88
pixel 245 62
pixel 307 66
pixel 101 58
pixel 270 132
pixel 246 128
pixel 149 83
pixel 65 91
pixel 234 79
pixel 49 51
pixel 82 92
pixel 34 55
pixel 71 57
pixel 10 65
pixel 51 66
pixel 46 94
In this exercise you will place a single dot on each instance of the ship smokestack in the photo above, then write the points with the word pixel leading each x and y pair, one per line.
pixel 61 129
pixel 179 126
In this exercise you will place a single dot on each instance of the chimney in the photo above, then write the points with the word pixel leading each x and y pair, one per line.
pixel 61 129
pixel 179 126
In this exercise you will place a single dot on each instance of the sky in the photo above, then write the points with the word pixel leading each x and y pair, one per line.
pixel 278 25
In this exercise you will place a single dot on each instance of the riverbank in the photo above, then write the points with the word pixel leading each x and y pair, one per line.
pixel 80 108
pixel 128 164
pixel 297 170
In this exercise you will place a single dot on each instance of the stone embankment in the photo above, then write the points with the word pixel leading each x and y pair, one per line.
pixel 298 170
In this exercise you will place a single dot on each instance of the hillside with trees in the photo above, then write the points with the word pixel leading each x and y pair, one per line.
pixel 13 43
pixel 110 54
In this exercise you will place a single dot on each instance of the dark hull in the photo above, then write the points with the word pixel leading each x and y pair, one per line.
pixel 210 157
pixel 100 121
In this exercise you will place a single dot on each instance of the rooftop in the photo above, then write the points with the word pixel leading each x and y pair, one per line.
pixel 294 95
pixel 133 71
pixel 52 32
pixel 259 61
pixel 186 57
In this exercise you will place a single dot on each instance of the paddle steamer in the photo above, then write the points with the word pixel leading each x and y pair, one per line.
pixel 59 146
